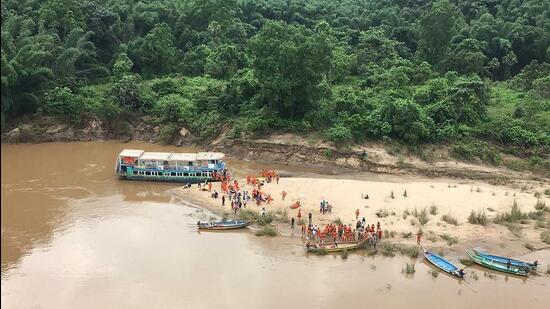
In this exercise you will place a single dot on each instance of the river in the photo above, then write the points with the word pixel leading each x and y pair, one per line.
pixel 75 236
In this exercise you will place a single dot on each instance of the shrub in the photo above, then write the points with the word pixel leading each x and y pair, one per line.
pixel 449 219
pixel 167 133
pixel 409 269
pixel 382 213
pixel 387 248
pixel 337 221
pixel 545 237
pixel 339 134
pixel 450 239
pixel 410 251
pixel 478 217
pixel 547 191
pixel 514 215
pixel 433 210
pixel 423 217
pixel 541 206
pixel 434 273
pixel 530 247
pixel 407 235
pixel 266 231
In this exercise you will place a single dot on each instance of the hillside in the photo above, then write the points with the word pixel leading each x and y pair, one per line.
pixel 471 77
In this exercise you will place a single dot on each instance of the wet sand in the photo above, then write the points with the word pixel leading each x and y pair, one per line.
pixel 75 236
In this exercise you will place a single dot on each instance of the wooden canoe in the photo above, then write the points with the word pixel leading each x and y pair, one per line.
pixel 492 264
pixel 222 225
pixel 329 247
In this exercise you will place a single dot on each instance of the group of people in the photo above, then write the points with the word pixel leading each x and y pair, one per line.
pixel 332 233
pixel 325 207
pixel 270 175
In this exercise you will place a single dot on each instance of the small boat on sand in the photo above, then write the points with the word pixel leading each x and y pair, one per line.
pixel 331 247
pixel 443 264
pixel 295 205
pixel 507 268
pixel 505 260
pixel 222 225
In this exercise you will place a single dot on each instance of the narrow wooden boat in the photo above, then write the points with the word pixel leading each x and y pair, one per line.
pixel 330 247
pixel 222 225
pixel 443 264
pixel 295 205
pixel 511 269
pixel 505 260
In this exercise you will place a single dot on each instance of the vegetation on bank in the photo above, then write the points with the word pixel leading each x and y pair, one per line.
pixel 470 74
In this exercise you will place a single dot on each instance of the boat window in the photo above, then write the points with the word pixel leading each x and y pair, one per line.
pixel 185 174
pixel 147 173
pixel 172 174
pixel 190 163
pixel 134 172
pixel 166 174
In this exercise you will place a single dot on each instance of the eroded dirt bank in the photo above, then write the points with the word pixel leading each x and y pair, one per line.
pixel 281 148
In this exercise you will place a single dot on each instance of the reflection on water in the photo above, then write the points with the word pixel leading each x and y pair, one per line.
pixel 74 236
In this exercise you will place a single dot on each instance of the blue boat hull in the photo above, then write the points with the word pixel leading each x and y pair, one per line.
pixel 504 260
pixel 442 264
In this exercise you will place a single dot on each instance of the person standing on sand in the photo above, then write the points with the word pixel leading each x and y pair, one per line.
pixel 223 200
pixel 283 194
pixel 357 214
pixel 418 237
pixel 310 216
pixel 209 187
pixel 263 212
pixel 292 223
pixel 299 214
pixel 277 178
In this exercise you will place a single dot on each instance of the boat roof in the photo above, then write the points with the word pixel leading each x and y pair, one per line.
pixel 210 156
pixel 183 157
pixel 131 153
pixel 162 156
pixel 172 156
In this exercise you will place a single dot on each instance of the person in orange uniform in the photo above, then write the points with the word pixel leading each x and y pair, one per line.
pixel 357 214
pixel 209 187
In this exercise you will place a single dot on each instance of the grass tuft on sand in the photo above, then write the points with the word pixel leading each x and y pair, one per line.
pixel 266 231
pixel 449 239
pixel 478 217
pixel 449 219
pixel 409 269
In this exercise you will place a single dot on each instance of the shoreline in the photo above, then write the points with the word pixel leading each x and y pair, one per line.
pixel 438 235
pixel 289 149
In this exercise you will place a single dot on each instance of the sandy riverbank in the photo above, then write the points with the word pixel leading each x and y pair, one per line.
pixel 455 199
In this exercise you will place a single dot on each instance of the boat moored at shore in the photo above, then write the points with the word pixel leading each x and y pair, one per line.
pixel 198 167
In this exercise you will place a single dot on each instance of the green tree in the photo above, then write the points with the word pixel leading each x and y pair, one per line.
pixel 437 27
pixel 290 62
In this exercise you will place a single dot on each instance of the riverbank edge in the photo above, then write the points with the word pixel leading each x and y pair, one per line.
pixel 388 247
pixel 290 151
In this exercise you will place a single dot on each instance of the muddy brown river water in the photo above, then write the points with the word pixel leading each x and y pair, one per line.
pixel 75 236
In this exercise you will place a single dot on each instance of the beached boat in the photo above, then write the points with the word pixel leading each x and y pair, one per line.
pixel 495 265
pixel 295 205
pixel 169 166
pixel 330 247
pixel 443 264
pixel 505 260
pixel 222 225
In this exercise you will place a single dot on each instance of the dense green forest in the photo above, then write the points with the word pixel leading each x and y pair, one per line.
pixel 471 74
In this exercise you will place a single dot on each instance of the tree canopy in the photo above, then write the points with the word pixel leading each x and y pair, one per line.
pixel 441 71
